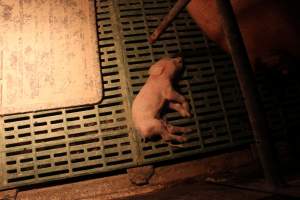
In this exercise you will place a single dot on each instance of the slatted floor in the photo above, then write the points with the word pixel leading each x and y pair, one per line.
pixel 208 82
pixel 57 144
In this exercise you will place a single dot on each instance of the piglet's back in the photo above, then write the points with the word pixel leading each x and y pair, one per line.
pixel 148 102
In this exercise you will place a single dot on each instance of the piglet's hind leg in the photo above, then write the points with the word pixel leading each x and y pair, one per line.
pixel 176 129
pixel 172 130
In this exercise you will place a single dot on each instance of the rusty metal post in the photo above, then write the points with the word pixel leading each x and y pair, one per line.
pixel 250 93
pixel 179 5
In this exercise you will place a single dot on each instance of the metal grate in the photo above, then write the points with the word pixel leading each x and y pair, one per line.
pixel 209 81
pixel 57 144
pixel 38 147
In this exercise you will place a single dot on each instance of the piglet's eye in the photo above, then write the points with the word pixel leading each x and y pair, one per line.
pixel 179 60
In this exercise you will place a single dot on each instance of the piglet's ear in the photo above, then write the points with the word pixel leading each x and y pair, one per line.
pixel 156 70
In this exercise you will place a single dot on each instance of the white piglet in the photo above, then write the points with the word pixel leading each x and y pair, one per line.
pixel 157 91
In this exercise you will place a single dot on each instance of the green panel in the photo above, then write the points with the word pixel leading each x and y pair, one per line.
pixel 43 146
pixel 58 144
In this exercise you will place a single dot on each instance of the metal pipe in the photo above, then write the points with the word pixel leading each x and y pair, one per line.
pixel 179 5
pixel 250 93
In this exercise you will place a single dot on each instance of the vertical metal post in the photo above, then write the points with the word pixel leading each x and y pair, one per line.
pixel 250 93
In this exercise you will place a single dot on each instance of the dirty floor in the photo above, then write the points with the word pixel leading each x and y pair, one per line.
pixel 198 189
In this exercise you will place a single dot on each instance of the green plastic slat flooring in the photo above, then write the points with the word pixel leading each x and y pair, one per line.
pixel 58 144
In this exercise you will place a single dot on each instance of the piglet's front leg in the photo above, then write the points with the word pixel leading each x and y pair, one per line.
pixel 176 98
pixel 179 108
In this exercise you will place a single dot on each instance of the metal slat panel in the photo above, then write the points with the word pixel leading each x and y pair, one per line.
pixel 92 139
pixel 82 128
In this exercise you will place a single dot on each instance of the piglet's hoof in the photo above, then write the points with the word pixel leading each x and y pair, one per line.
pixel 140 175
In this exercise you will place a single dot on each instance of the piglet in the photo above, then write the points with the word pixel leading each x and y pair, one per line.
pixel 158 91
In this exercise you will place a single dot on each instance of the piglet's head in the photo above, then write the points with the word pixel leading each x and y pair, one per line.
pixel 166 67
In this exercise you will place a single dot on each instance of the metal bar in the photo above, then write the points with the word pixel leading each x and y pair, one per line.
pixel 179 5
pixel 250 93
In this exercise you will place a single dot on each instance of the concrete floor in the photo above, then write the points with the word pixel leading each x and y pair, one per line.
pixel 241 184
pixel 199 190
